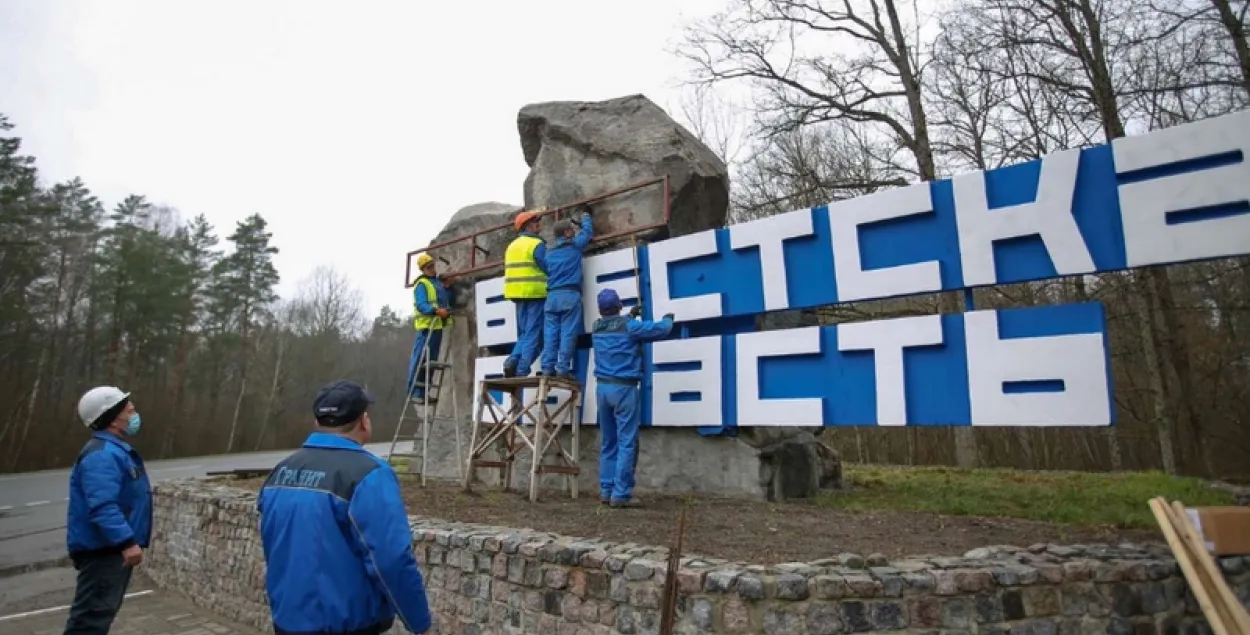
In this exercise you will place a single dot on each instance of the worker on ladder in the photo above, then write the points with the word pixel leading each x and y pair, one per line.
pixel 563 311
pixel 430 301
pixel 525 284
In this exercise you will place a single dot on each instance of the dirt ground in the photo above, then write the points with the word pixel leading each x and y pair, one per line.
pixel 755 532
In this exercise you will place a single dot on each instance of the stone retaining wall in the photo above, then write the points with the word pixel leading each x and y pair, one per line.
pixel 493 580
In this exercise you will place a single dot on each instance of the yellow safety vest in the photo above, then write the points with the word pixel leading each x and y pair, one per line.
pixel 431 321
pixel 522 279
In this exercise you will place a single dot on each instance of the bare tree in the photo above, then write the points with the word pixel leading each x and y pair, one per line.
pixel 328 304
pixel 856 62
pixel 716 120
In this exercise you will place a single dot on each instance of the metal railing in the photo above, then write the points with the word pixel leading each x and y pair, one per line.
pixel 474 247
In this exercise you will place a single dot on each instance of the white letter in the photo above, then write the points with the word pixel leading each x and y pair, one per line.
pixel 705 381
pixel 1144 205
pixel 590 405
pixel 768 234
pixel 1049 217
pixel 887 339
pixel 1079 361
pixel 753 411
pixel 672 250
pixel 602 265
pixel 502 312
pixel 845 217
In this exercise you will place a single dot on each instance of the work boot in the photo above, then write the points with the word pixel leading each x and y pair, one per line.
pixel 509 371
pixel 605 499
pixel 618 503
pixel 564 374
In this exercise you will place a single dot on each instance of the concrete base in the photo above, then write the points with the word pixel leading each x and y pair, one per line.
pixel 671 460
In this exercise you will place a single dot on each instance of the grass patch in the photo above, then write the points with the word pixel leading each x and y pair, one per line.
pixel 1079 498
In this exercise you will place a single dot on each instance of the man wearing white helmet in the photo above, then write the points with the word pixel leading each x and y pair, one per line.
pixel 110 510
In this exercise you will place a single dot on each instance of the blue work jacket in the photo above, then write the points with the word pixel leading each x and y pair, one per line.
pixel 564 259
pixel 110 499
pixel 421 296
pixel 617 342
pixel 338 548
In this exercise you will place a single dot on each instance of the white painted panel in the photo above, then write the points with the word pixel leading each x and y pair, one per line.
pixel 619 261
pixel 845 218
pixel 1144 205
pixel 674 250
pixel 769 234
pixel 706 381
pixel 887 339
pixel 754 411
pixel 503 310
pixel 1078 360
pixel 1049 216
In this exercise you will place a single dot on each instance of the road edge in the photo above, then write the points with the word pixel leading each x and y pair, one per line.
pixel 32 567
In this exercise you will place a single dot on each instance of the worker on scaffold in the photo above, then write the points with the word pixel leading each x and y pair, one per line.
pixel 431 302
pixel 617 342
pixel 525 284
pixel 562 314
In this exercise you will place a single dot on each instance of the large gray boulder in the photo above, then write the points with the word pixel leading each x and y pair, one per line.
pixel 577 150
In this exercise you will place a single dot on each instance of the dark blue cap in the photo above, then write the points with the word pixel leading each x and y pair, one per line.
pixel 341 403
pixel 608 300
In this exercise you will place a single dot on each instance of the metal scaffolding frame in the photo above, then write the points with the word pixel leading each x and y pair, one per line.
pixel 474 247
pixel 508 436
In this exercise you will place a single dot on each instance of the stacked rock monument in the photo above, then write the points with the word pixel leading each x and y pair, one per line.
pixel 578 150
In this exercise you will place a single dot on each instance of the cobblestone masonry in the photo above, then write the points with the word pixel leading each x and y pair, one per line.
pixel 493 580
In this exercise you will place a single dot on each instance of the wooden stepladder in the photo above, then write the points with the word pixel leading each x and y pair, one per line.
pixel 505 430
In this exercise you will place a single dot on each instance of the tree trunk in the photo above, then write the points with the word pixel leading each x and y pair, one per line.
pixel 273 390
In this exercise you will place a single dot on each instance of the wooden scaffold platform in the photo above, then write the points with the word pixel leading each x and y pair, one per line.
pixel 504 430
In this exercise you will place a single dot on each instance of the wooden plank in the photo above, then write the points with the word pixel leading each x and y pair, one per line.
pixel 559 469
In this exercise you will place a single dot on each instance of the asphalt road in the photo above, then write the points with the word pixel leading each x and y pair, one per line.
pixel 33 505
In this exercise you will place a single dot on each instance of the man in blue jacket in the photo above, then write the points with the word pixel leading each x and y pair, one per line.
pixel 562 314
pixel 109 521
pixel 617 342
pixel 432 305
pixel 338 549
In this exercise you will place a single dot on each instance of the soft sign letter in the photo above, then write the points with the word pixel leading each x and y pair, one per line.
pixel 887 339
pixel 753 411
pixel 768 234
pixel 1048 216
pixel 1145 205
pixel 845 217
pixel 1078 361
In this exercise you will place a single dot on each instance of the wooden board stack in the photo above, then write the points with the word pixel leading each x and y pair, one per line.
pixel 1223 611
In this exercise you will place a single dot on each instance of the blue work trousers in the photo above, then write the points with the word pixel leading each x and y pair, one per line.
pixel 562 317
pixel 619 416
pixel 415 361
pixel 529 336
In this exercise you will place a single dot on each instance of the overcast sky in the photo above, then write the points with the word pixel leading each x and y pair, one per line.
pixel 355 128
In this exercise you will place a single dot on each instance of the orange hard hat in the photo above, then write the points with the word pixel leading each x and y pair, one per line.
pixel 523 218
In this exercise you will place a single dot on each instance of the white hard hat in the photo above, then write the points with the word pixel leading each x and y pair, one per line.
pixel 97 401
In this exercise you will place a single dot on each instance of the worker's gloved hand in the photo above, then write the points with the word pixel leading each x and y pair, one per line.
pixel 583 210
pixel 443 313
pixel 636 310
pixel 669 316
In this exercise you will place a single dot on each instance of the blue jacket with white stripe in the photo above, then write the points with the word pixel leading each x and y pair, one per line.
pixel 337 544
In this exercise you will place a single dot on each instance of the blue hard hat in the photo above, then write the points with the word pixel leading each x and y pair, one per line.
pixel 608 299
